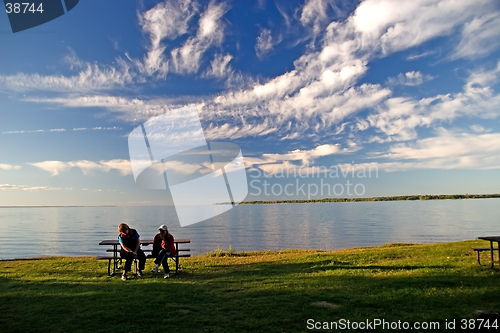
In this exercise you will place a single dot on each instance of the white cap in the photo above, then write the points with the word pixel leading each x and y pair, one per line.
pixel 163 227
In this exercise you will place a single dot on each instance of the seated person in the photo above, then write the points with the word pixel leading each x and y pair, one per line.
pixel 130 241
pixel 163 247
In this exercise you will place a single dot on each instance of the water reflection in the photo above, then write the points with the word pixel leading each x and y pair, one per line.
pixel 28 232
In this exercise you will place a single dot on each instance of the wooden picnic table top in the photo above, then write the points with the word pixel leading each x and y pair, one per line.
pixel 143 241
pixel 490 238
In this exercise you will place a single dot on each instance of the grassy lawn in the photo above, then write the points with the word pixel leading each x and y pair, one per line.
pixel 252 292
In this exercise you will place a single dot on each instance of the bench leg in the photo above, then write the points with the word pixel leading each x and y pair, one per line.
pixel 492 258
pixel 478 260
pixel 135 267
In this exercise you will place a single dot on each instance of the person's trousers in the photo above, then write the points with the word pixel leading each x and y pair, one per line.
pixel 129 257
pixel 162 258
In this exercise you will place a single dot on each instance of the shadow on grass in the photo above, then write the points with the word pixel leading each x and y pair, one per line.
pixel 261 297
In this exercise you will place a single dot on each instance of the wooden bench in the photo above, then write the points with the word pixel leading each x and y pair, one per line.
pixel 478 250
pixel 117 260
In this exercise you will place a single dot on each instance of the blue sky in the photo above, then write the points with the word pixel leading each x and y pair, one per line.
pixel 409 88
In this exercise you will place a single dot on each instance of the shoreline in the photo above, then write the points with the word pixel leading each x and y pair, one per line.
pixel 415 197
pixel 230 252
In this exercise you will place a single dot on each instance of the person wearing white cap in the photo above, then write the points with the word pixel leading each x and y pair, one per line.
pixel 163 247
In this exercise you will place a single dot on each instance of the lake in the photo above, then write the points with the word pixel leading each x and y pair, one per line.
pixel 77 231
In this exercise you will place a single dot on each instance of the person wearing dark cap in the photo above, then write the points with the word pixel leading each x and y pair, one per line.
pixel 163 247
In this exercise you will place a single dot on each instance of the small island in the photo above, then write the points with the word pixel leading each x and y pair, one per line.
pixel 394 198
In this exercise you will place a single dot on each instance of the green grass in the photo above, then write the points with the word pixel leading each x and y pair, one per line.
pixel 226 291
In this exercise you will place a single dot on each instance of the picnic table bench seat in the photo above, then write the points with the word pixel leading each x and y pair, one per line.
pixel 478 250
pixel 117 260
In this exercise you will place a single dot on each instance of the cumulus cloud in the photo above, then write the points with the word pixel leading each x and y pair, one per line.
pixel 56 167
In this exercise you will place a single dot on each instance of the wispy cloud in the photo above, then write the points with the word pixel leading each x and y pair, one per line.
pixel 420 55
pixel 92 78
pixel 447 150
pixel 56 167
pixel 187 58
pixel 29 188
pixel 9 167
pixel 323 89
pixel 399 117
pixel 265 43
pixel 409 79
pixel 479 37
pixel 55 130
pixel 314 14
pixel 219 66
pixel 167 20
pixel 304 156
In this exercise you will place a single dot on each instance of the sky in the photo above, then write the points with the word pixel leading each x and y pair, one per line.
pixel 332 98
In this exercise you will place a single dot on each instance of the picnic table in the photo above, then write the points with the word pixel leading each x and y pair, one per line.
pixel 491 239
pixel 117 260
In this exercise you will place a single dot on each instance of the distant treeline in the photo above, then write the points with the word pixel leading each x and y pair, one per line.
pixel 397 198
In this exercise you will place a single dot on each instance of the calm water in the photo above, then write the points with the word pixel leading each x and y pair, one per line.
pixel 77 231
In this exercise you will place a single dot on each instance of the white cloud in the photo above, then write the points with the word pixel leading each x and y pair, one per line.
pixel 478 128
pixel 322 90
pixel 304 156
pixel 399 117
pixel 401 24
pixel 413 78
pixel 448 144
pixel 187 58
pixel 92 78
pixel 421 55
pixel 28 188
pixel 219 66
pixel 479 37
pixel 9 167
pixel 56 167
pixel 265 43
pixel 168 19
pixel 448 150
pixel 35 131
pixel 314 14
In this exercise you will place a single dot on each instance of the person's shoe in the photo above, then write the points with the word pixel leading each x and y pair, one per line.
pixel 166 276
pixel 155 269
pixel 139 272
pixel 124 278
